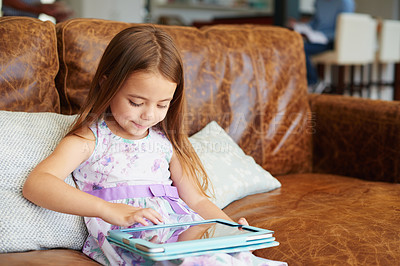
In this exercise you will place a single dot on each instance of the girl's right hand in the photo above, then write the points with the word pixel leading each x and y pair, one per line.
pixel 125 215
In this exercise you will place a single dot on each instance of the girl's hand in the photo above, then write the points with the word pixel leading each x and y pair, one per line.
pixel 124 215
pixel 243 221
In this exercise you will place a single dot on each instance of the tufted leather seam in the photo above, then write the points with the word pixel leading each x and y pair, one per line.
pixel 54 41
pixel 64 84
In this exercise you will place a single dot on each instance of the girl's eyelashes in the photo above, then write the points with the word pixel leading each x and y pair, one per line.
pixel 135 104
pixel 140 104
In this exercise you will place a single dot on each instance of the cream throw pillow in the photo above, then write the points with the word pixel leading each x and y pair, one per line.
pixel 233 174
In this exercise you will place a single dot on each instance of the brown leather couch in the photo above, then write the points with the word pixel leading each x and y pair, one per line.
pixel 337 157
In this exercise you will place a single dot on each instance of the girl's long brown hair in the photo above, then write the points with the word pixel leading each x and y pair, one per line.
pixel 144 48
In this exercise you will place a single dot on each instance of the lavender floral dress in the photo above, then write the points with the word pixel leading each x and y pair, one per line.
pixel 118 163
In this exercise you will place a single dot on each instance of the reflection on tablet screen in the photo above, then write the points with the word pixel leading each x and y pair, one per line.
pixel 185 233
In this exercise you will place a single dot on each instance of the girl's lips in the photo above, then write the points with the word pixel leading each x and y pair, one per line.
pixel 139 126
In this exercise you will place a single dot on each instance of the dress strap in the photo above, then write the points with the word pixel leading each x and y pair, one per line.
pixel 170 193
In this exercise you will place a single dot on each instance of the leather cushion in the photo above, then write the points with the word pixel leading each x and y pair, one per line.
pixel 356 137
pixel 47 257
pixel 327 220
pixel 28 65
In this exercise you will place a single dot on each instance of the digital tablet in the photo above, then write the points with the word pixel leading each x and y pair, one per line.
pixel 165 242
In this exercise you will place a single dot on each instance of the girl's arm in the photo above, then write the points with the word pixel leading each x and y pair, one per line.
pixel 45 186
pixel 192 197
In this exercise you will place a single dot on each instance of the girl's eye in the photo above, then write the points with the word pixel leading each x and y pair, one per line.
pixel 163 106
pixel 134 104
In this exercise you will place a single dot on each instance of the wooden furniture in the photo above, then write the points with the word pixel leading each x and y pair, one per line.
pixel 388 49
pixel 354 45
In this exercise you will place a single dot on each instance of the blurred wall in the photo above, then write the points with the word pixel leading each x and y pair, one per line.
pixel 120 10
pixel 387 9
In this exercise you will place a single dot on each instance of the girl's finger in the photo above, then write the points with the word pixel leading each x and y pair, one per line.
pixel 151 215
pixel 243 221
pixel 141 220
pixel 155 215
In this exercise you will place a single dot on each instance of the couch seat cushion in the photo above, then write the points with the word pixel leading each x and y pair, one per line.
pixel 326 219
pixel 47 257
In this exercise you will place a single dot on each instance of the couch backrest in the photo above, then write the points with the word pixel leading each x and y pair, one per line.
pixel 28 65
pixel 250 79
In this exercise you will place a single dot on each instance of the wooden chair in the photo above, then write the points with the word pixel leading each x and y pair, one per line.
pixel 355 45
pixel 388 48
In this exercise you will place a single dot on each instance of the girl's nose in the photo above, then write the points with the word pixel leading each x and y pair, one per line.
pixel 148 113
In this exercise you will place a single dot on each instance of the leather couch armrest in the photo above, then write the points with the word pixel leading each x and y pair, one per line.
pixel 356 137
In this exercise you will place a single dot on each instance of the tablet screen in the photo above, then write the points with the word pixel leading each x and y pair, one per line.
pixel 184 233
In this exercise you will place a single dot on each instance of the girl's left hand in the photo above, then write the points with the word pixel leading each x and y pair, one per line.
pixel 243 221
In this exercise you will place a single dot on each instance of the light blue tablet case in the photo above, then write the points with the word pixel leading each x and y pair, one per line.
pixel 260 238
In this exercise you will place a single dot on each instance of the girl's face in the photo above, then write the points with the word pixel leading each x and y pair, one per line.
pixel 141 103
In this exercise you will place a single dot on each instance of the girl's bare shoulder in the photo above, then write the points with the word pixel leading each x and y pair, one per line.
pixel 82 140
pixel 72 151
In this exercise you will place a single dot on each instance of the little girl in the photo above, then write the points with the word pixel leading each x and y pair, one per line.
pixel 127 148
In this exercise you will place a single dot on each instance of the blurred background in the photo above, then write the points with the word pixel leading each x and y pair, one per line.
pixel 200 12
